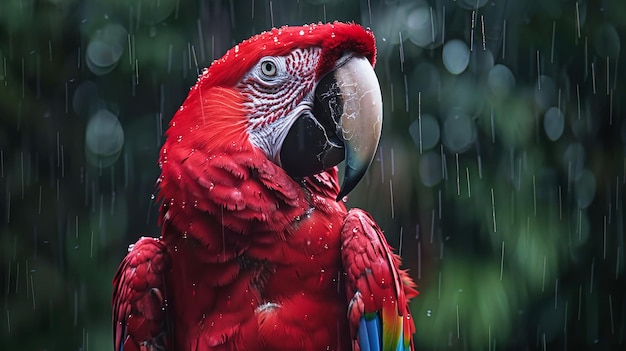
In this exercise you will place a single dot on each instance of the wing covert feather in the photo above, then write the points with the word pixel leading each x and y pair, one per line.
pixel 139 298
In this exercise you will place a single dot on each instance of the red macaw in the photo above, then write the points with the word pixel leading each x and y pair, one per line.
pixel 256 250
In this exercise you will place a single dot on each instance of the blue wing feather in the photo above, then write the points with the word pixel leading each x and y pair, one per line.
pixel 364 342
pixel 370 331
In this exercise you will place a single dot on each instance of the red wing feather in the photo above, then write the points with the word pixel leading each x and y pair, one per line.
pixel 139 298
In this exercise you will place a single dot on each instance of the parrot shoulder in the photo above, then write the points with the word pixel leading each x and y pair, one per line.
pixel 139 298
pixel 378 290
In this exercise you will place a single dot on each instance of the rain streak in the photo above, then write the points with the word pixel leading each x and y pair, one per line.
pixel 499 175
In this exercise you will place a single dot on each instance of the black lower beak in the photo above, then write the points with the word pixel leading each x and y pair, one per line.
pixel 346 123
pixel 312 144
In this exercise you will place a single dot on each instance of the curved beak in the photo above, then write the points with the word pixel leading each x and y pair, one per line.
pixel 346 123
pixel 361 121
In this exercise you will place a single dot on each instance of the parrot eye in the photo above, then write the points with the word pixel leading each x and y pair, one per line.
pixel 268 68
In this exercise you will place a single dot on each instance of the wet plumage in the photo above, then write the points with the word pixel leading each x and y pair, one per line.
pixel 255 252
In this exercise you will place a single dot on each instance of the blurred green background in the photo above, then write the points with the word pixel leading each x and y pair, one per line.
pixel 500 175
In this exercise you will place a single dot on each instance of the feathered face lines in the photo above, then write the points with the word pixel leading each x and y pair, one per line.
pixel 276 91
pixel 276 85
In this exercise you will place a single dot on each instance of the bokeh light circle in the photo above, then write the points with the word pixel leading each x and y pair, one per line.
pixel 429 133
pixel 606 41
pixel 459 131
pixel 422 26
pixel 153 12
pixel 585 188
pixel 471 4
pixel 554 123
pixel 105 49
pixel 430 168
pixel 85 98
pixel 500 80
pixel 545 93
pixel 104 138
pixel 574 160
pixel 456 56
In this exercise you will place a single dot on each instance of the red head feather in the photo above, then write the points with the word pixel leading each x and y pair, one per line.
pixel 204 104
pixel 334 39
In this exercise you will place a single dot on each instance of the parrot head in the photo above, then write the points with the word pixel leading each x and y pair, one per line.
pixel 306 96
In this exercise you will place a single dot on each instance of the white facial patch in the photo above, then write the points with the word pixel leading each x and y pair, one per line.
pixel 277 90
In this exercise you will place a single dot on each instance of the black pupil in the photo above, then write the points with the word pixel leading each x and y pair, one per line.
pixel 268 67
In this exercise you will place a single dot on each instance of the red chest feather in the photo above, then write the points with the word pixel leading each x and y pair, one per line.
pixel 247 288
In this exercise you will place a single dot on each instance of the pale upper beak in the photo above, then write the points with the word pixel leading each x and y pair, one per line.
pixel 346 123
